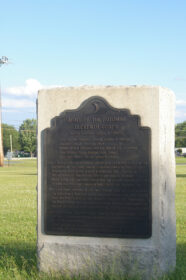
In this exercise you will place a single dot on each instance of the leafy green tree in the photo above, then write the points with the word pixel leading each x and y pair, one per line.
pixel 179 151
pixel 180 135
pixel 7 131
pixel 27 136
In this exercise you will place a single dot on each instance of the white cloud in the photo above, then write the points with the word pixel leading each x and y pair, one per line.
pixel 30 88
pixel 181 102
pixel 180 114
pixel 180 110
pixel 17 103
pixel 27 91
pixel 10 110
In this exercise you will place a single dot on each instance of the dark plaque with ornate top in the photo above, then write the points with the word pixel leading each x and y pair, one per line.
pixel 97 173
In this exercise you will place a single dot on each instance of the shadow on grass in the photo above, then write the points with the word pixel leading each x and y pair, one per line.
pixel 181 254
pixel 22 255
pixel 181 175
pixel 180 270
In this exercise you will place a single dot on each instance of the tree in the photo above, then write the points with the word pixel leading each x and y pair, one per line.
pixel 180 134
pixel 7 131
pixel 27 136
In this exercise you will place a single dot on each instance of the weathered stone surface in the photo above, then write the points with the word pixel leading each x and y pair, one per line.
pixel 69 254
pixel 89 260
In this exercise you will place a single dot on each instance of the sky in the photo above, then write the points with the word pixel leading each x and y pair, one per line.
pixel 84 42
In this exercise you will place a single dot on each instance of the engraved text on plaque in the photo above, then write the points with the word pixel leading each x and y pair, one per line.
pixel 97 173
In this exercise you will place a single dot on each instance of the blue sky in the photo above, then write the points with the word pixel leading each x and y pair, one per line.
pixel 98 42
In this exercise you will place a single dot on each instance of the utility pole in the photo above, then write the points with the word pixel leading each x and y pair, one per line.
pixel 11 143
pixel 1 136
pixel 3 61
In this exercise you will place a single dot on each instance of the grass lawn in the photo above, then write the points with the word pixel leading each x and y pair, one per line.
pixel 18 223
pixel 181 160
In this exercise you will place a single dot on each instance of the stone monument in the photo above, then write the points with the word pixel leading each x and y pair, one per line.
pixel 106 179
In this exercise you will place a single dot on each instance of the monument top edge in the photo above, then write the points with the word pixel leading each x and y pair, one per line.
pixel 102 87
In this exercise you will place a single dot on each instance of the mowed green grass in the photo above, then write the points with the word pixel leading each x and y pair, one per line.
pixel 18 223
pixel 18 219
pixel 181 160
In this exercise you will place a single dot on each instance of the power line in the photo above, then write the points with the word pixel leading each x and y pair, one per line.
pixel 4 128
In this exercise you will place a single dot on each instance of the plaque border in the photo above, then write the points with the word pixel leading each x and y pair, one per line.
pixel 53 126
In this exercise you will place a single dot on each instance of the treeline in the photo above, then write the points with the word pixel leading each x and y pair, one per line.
pixel 23 139
pixel 180 135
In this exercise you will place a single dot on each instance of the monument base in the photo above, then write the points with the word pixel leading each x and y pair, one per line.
pixel 146 257
pixel 94 260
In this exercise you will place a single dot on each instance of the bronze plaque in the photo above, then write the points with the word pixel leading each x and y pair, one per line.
pixel 97 173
